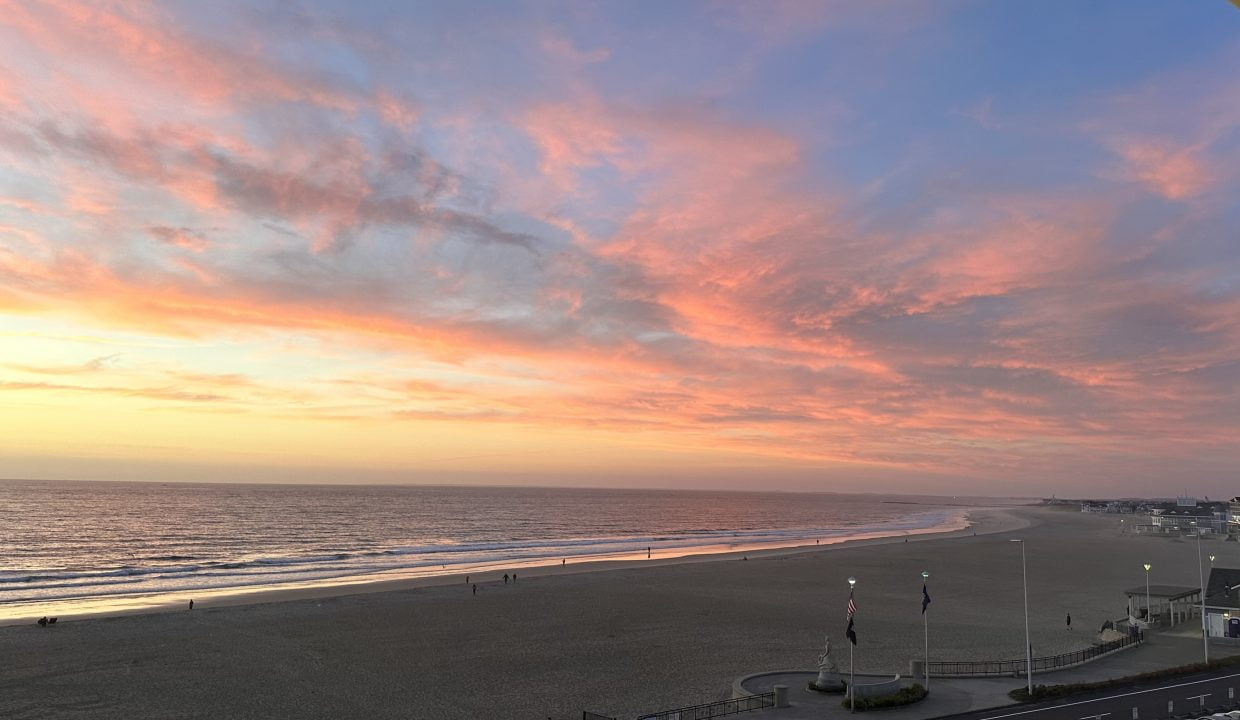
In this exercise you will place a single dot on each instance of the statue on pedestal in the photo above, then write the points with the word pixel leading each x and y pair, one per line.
pixel 829 679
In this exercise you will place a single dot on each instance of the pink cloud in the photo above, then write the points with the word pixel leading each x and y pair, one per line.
pixel 562 49
pixel 1176 173
pixel 143 40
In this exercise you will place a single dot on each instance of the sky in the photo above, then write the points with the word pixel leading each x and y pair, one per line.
pixel 941 247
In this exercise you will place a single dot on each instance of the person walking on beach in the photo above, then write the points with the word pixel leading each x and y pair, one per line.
pixel 466 579
pixel 505 578
pixel 647 553
pixel 1069 621
pixel 191 604
pixel 514 578
pixel 475 589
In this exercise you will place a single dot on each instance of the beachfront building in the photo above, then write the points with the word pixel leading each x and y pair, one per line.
pixel 1112 507
pixel 1223 603
pixel 1183 519
pixel 1169 605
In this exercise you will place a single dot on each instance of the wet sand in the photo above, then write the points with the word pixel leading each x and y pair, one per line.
pixel 615 638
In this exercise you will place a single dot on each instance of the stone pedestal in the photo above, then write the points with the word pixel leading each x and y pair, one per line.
pixel 781 696
pixel 828 681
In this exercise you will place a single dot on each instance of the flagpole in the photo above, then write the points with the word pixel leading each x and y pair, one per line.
pixel 925 618
pixel 852 668
pixel 1024 573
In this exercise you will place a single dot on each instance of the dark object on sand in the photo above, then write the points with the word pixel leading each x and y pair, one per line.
pixel 191 604
pixel 51 621
pixel 43 621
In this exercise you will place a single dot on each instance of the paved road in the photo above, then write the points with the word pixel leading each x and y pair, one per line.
pixel 1188 697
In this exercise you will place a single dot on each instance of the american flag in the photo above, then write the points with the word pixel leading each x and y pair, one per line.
pixel 852 606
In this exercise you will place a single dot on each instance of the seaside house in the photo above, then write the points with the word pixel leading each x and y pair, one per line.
pixel 1223 603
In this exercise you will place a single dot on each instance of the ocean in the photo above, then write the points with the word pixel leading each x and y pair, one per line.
pixel 95 546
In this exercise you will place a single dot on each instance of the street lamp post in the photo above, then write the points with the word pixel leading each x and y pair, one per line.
pixel 852 668
pixel 1205 633
pixel 1149 612
pixel 925 618
pixel 1024 574
pixel 1203 595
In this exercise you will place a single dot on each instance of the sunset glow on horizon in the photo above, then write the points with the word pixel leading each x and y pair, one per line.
pixel 951 247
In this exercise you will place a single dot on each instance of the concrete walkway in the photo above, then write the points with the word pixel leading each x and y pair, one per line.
pixel 949 696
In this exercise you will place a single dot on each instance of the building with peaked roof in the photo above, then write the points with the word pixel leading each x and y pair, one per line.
pixel 1223 602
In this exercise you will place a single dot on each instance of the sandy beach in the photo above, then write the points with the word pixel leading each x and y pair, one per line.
pixel 615 638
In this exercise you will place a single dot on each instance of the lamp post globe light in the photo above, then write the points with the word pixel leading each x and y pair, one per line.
pixel 1024 574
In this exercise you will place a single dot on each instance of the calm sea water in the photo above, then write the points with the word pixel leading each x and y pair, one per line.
pixel 62 541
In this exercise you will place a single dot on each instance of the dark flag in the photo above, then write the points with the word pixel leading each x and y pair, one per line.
pixel 850 633
pixel 925 599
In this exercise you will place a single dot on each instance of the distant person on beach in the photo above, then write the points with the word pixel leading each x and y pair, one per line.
pixel 1069 621
pixel 475 589
pixel 466 579
pixel 514 577
pixel 191 604
pixel 505 578
pixel 563 560
pixel 647 553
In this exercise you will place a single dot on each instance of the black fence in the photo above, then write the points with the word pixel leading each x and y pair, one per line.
pixel 1041 664
pixel 715 709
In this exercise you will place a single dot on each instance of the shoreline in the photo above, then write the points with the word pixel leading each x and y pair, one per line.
pixel 620 638
pixel 976 520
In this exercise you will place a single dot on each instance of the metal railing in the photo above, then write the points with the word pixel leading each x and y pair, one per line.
pixel 1041 664
pixel 715 709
